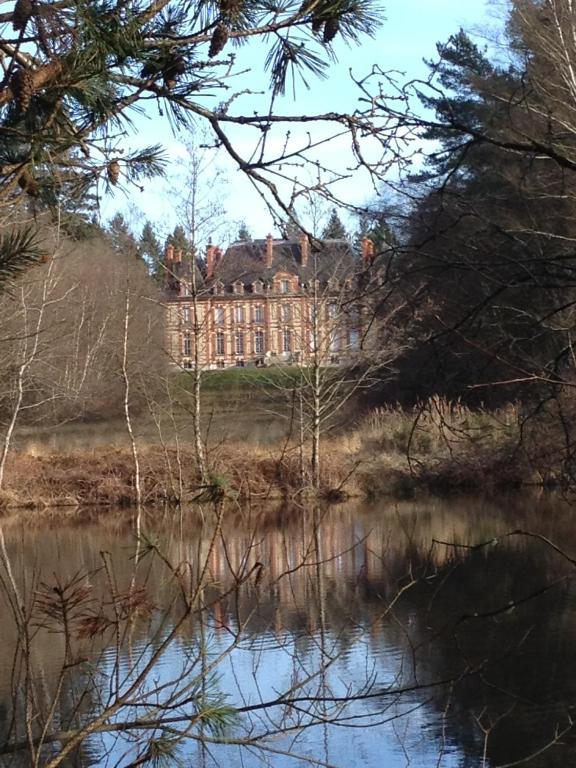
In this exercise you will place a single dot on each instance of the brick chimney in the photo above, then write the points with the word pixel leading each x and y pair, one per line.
pixel 210 260
pixel 178 256
pixel 304 250
pixel 169 256
pixel 367 251
pixel 269 250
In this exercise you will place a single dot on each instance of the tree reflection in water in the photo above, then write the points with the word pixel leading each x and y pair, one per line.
pixel 456 657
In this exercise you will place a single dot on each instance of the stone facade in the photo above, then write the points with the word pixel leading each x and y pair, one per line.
pixel 264 302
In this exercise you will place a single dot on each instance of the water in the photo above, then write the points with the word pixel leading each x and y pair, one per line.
pixel 448 656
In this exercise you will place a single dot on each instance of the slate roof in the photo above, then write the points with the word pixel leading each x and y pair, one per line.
pixel 246 262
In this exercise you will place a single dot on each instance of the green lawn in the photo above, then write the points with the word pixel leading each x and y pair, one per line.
pixel 244 379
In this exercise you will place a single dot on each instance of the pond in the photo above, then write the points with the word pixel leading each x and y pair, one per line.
pixel 350 636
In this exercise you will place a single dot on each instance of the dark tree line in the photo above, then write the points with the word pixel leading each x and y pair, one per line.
pixel 486 234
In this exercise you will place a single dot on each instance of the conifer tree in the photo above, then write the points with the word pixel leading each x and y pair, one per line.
pixel 244 233
pixel 334 229
pixel 177 238
pixel 122 237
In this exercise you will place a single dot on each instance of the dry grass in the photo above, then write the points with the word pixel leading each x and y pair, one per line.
pixel 437 446
pixel 105 478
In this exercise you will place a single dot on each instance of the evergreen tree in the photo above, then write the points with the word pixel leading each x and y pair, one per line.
pixel 490 234
pixel 121 237
pixel 374 225
pixel 334 229
pixel 151 250
pixel 149 244
pixel 244 233
pixel 178 239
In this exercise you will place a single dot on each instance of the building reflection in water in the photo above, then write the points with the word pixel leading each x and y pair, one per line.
pixel 347 599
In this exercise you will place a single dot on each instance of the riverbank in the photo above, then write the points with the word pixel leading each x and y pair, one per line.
pixel 439 448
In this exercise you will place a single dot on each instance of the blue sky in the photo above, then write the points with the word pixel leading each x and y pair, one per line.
pixel 407 36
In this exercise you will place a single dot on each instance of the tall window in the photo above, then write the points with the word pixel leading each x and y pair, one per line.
pixel 220 343
pixel 259 342
pixel 284 286
pixel 239 343
pixel 354 338
pixel 187 346
pixel 286 312
pixel 287 341
pixel 186 315
pixel 239 313
pixel 258 313
pixel 219 315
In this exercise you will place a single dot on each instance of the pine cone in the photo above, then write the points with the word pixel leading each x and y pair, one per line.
pixel 219 40
pixel 113 172
pixel 317 24
pixel 22 85
pixel 174 68
pixel 29 184
pixel 21 14
pixel 231 9
pixel 331 29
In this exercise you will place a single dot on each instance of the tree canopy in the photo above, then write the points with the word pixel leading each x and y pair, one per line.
pixel 488 233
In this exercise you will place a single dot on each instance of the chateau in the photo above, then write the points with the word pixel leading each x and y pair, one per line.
pixel 264 302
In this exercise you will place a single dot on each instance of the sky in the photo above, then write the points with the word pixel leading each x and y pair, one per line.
pixel 407 36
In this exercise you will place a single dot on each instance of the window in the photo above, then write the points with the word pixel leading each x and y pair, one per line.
pixel 257 286
pixel 186 315
pixel 287 341
pixel 187 346
pixel 284 286
pixel 332 311
pixel 186 290
pixel 220 364
pixel 239 313
pixel 220 344
pixel 334 341
pixel 259 342
pixel 238 287
pixel 286 313
pixel 259 313
pixel 239 343
pixel 219 315
pixel 354 338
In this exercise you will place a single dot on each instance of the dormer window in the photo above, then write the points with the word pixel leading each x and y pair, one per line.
pixel 218 287
pixel 257 286
pixel 239 287
pixel 284 286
